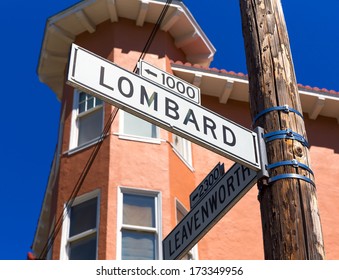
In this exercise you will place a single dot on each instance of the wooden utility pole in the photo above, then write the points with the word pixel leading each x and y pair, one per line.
pixel 288 203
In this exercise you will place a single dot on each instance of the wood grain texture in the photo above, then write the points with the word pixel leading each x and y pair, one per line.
pixel 289 210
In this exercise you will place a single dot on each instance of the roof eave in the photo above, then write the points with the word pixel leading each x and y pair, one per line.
pixel 61 31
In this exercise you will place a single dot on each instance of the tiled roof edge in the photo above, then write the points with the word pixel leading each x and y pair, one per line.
pixel 209 69
pixel 242 75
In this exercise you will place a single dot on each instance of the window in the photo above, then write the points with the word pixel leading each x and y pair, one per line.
pixel 181 212
pixel 80 233
pixel 87 119
pixel 137 128
pixel 183 148
pixel 139 225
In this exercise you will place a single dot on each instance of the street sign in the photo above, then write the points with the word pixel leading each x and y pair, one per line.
pixel 209 181
pixel 234 184
pixel 170 82
pixel 138 96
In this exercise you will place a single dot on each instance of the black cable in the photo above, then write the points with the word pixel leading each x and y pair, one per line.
pixel 154 32
pixel 83 175
pixel 78 185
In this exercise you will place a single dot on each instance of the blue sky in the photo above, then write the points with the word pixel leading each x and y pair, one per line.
pixel 30 123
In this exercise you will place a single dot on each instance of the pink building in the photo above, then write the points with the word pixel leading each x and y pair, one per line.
pixel 138 186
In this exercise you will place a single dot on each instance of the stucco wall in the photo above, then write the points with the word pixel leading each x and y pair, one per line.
pixel 156 166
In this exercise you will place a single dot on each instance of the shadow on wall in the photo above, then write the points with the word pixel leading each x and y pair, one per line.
pixel 323 132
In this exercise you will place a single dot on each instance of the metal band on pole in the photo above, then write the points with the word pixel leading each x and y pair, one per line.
pixel 290 176
pixel 285 134
pixel 285 108
pixel 293 163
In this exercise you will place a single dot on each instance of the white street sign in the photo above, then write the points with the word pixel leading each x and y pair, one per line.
pixel 136 95
pixel 206 184
pixel 170 82
pixel 235 183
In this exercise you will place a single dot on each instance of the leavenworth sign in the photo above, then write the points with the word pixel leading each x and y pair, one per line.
pixel 234 184
pixel 145 99
pixel 206 184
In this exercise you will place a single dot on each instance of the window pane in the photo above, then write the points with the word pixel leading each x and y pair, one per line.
pixel 83 217
pixel 138 210
pixel 82 97
pixel 98 102
pixel 136 126
pixel 87 101
pixel 90 102
pixel 138 246
pixel 178 143
pixel 182 146
pixel 83 249
pixel 180 215
pixel 82 107
pixel 90 126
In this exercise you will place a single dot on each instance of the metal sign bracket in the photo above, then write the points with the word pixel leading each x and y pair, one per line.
pixel 263 173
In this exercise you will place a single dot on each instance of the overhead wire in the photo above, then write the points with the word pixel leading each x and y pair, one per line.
pixel 154 32
pixel 76 189
pixel 58 224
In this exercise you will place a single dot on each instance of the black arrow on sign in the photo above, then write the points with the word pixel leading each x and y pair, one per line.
pixel 149 72
pixel 194 197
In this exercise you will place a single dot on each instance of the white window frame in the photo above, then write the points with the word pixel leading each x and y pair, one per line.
pixel 186 154
pixel 157 230
pixel 125 136
pixel 74 135
pixel 179 206
pixel 65 240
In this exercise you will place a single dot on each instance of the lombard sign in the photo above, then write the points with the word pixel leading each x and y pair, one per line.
pixel 233 185
pixel 140 97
